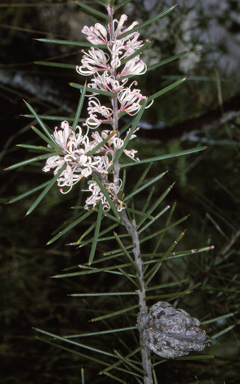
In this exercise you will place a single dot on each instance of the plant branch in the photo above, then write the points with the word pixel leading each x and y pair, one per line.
pixel 143 309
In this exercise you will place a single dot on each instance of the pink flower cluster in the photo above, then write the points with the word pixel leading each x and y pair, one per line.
pixel 75 146
pixel 77 149
pixel 103 67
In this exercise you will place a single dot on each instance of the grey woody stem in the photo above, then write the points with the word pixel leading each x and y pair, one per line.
pixel 132 230
pixel 143 309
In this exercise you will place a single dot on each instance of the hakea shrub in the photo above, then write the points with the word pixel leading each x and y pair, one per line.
pixel 93 152
pixel 75 145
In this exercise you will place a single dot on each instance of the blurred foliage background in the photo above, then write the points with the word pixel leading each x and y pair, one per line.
pixel 203 111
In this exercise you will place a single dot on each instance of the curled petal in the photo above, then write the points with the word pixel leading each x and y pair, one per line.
pixel 93 61
pixel 134 67
pixel 97 34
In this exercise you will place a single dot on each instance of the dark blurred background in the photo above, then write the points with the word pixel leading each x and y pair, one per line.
pixel 204 111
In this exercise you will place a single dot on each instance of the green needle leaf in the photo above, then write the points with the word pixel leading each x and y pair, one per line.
pixel 149 21
pixel 101 144
pixel 136 284
pixel 74 343
pixel 103 3
pixel 103 294
pixel 223 331
pixel 122 4
pixel 126 361
pixel 218 318
pixel 69 227
pixel 35 147
pixel 28 193
pixel 132 353
pixel 217 226
pixel 93 90
pixel 115 377
pixel 164 229
pixel 139 213
pixel 155 205
pixel 66 42
pixel 163 157
pixel 56 65
pixel 40 122
pixel 83 355
pixel 79 108
pixel 141 178
pixel 156 267
pixel 134 126
pixel 166 89
pixel 50 142
pixel 199 357
pixel 86 233
pixel 101 332
pixel 136 52
pixel 153 181
pixel 117 313
pixel 96 234
pixel 54 118
pixel 106 194
pixel 155 217
pixel 29 161
pixel 166 61
pixel 166 225
pixel 129 258
pixel 45 191
pixel 91 11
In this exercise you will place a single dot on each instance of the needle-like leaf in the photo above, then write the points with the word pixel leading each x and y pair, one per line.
pixel 166 61
pixel 96 234
pixel 137 52
pixel 106 194
pixel 166 89
pixel 93 90
pixel 117 313
pixel 45 191
pixel 129 258
pixel 153 181
pixel 91 11
pixel 134 126
pixel 29 161
pixel 79 108
pixel 163 157
pixel 75 343
pixel 45 138
pixel 66 42
pixel 40 122
pixel 149 21
pixel 156 267
pixel 55 65
pixel 28 193
pixel 69 227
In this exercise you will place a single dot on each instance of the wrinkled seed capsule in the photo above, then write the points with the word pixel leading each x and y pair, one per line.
pixel 171 332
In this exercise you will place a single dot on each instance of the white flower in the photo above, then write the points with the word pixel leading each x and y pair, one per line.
pixel 130 100
pixel 93 61
pixel 52 162
pixel 98 196
pixel 133 67
pixel 118 27
pixel 106 82
pixel 79 164
pixel 120 48
pixel 94 107
pixel 97 34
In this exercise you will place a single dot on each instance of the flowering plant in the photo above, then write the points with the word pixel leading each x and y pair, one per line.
pixel 75 153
